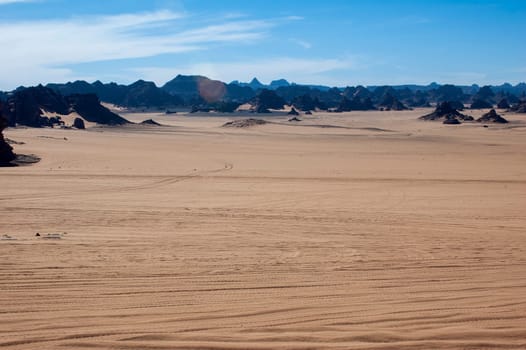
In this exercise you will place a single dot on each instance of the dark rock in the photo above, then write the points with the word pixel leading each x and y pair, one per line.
pixel 451 121
pixel 294 119
pixel 448 92
pixel 88 107
pixel 519 107
pixel 355 104
pixel 485 93
pixel 79 124
pixel 244 123
pixel 274 84
pixel 25 106
pixel 196 88
pixel 262 110
pixel 145 94
pixel 293 111
pixel 225 106
pixel 268 99
pixel 391 103
pixel 493 117
pixel 6 151
pixel 150 122
pixel 459 106
pixel 503 104
pixel 308 113
pixel 480 104
pixel 445 112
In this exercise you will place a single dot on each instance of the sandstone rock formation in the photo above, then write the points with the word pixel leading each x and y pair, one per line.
pixel 88 107
pixel 79 124
pixel 244 123
pixel 26 107
pixel 480 104
pixel 492 117
pixel 6 151
pixel 268 99
pixel 503 104
pixel 446 113
pixel 519 107
pixel 391 103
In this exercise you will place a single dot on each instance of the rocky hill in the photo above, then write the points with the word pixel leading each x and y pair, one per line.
pixel 26 107
pixel 204 94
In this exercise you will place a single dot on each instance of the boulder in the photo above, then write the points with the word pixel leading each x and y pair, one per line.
pixel 6 151
pixel 294 119
pixel 492 117
pixel 445 112
pixel 150 122
pixel 79 124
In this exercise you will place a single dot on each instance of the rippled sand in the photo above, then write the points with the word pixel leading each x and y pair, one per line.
pixel 343 231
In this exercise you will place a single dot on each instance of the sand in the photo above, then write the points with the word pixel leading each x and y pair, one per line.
pixel 362 230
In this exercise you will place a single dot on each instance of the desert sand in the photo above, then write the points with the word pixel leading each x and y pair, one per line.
pixel 362 230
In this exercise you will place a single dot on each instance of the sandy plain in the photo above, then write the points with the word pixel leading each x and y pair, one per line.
pixel 383 233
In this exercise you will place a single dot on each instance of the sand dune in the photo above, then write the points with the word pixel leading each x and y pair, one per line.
pixel 384 233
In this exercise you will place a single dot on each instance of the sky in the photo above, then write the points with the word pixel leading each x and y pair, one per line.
pixel 331 42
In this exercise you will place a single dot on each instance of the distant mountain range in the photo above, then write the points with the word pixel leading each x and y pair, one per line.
pixel 199 93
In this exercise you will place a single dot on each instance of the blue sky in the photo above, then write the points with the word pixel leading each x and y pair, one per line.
pixel 335 43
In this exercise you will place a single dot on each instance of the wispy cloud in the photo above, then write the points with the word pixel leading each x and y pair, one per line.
pixel 40 50
pixel 302 43
pixel 300 70
pixel 6 2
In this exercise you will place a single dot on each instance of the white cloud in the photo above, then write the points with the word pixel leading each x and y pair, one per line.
pixel 36 51
pixel 299 70
pixel 302 43
pixel 6 2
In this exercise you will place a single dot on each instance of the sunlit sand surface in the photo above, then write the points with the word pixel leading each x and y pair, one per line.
pixel 362 230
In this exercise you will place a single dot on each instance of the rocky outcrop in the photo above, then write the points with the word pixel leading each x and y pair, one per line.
pixel 79 124
pixel 391 103
pixel 355 104
pixel 195 89
pixel 451 121
pixel 6 151
pixel 25 106
pixel 503 104
pixel 480 104
pixel 244 123
pixel 150 122
pixel 145 94
pixel 268 99
pixel 88 107
pixel 456 104
pixel 492 117
pixel 447 114
pixel 519 107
